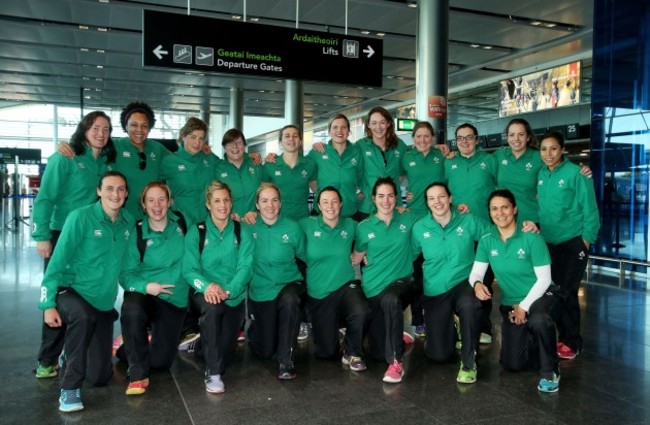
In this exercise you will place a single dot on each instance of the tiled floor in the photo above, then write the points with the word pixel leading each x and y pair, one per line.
pixel 608 384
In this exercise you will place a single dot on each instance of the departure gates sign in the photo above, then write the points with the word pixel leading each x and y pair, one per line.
pixel 214 45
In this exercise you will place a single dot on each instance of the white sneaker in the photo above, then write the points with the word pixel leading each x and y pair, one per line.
pixel 214 384
pixel 303 333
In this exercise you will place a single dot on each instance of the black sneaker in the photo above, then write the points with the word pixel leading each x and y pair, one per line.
pixel 287 371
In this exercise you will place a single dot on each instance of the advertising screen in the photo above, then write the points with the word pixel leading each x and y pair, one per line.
pixel 551 88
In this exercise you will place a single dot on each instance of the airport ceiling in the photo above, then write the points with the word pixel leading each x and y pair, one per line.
pixel 58 51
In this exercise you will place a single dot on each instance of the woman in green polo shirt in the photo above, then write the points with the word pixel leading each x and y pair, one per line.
pixel 188 172
pixel 569 221
pixel 277 289
pixel 340 165
pixel 333 293
pixel 155 293
pixel 217 263
pixel 241 174
pixel 522 264
pixel 67 184
pixel 447 239
pixel 384 239
pixel 293 173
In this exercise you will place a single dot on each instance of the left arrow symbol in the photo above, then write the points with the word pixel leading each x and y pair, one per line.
pixel 369 51
pixel 159 52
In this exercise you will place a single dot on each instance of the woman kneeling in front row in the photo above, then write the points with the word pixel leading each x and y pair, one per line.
pixel 522 265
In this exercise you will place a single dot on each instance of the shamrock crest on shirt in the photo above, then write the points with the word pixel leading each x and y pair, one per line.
pixel 521 253
pixel 529 166
pixel 459 231
pixel 285 238
pixel 344 234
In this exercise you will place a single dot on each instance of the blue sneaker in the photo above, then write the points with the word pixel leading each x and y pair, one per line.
pixel 70 401
pixel 549 385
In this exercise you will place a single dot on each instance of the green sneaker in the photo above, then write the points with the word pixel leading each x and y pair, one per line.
pixel 466 376
pixel 43 372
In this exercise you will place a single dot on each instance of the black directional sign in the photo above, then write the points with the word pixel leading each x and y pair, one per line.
pixel 215 45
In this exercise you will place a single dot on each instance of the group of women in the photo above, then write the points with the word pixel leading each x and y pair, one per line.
pixel 242 231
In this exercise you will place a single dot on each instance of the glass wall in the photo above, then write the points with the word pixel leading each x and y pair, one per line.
pixel 620 122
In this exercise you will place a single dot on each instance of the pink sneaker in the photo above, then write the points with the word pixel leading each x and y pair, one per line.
pixel 565 352
pixel 394 373
pixel 407 338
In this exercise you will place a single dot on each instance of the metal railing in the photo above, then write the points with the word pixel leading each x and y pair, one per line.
pixel 622 271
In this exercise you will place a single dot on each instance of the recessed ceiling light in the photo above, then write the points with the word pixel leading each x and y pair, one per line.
pixel 381 34
pixel 83 49
pixel 101 51
pixel 83 27
pixel 536 23
pixel 236 17
pixel 476 46
pixel 365 32
pixel 550 25
pixel 487 47
pixel 102 29
pixel 254 19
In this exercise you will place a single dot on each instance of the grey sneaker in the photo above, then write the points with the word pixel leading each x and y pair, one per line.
pixel 303 333
pixel 214 384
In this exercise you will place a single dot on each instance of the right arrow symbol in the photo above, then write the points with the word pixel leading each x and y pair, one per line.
pixel 369 51
pixel 159 52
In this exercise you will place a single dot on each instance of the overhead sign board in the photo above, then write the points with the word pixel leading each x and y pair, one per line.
pixel 25 156
pixel 214 45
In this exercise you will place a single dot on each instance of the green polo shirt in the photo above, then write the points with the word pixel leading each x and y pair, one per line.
pixel 89 257
pixel 377 163
pixel 421 171
pixel 188 176
pixel 162 262
pixel 513 262
pixel 567 204
pixel 388 250
pixel 293 184
pixel 519 175
pixel 223 261
pixel 274 257
pixel 344 172
pixel 471 180
pixel 448 251
pixel 243 183
pixel 328 255
pixel 67 184
pixel 127 162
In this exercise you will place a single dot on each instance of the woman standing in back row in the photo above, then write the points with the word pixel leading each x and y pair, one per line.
pixel 569 222
pixel 67 184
